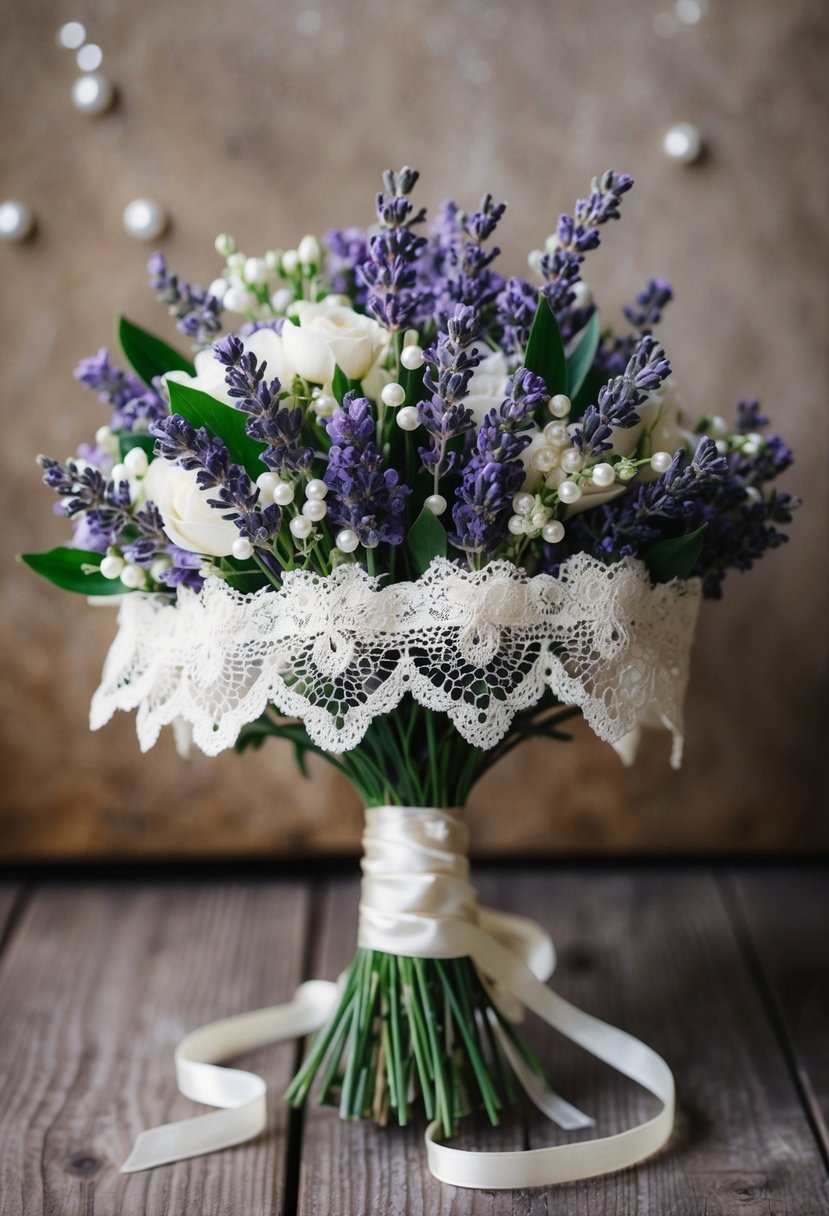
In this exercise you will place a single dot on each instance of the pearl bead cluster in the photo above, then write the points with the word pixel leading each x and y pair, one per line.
pixel 132 469
pixel 533 519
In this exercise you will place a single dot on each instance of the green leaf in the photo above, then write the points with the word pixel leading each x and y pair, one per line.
pixel 581 359
pixel 675 558
pixel 64 568
pixel 545 350
pixel 127 440
pixel 147 355
pixel 426 539
pixel 340 383
pixel 588 394
pixel 220 419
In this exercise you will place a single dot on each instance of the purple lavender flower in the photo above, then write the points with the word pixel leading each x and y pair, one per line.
pixel 133 405
pixel 197 312
pixel 279 427
pixel 395 296
pixel 577 235
pixel 443 415
pixel 495 472
pixel 649 305
pixel 749 418
pixel 616 408
pixel 461 263
pixel 347 252
pixel 364 495
pixel 516 308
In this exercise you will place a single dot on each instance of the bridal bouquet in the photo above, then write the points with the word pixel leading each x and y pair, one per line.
pixel 406 513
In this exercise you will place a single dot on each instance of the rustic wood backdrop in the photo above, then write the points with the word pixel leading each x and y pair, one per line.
pixel 269 120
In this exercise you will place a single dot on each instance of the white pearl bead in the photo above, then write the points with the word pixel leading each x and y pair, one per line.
pixel 92 94
pixel 553 532
pixel 407 418
pixel 661 462
pixel 256 271
pixel 283 493
pixel 347 540
pixel 556 434
pixel 412 358
pixel 559 405
pixel 111 566
pixel 301 527
pixel 242 549
pixel 119 473
pixel 314 509
pixel 159 568
pixel 16 221
pixel 325 405
pixel 267 483
pixel 316 488
pixel 133 577
pixel 71 35
pixel 603 475
pixel 522 503
pixel 539 518
pixel 544 459
pixel 583 296
pixel 90 57
pixel 572 460
pixel 435 503
pixel 144 219
pixel 393 395
pixel 569 492
pixel 516 525
pixel 136 462
pixel 683 143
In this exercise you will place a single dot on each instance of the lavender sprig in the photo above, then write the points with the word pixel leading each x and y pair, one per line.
pixel 197 313
pixel 364 495
pixel 444 415
pixel 83 489
pixel 618 400
pixel 462 262
pixel 495 472
pixel 395 296
pixel 516 308
pixel 134 406
pixel 575 236
pixel 278 426
pixel 647 309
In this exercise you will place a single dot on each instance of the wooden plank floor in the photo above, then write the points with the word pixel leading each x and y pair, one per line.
pixel 726 973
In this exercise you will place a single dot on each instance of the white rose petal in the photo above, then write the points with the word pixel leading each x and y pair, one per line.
pixel 330 332
pixel 189 521
pixel 265 344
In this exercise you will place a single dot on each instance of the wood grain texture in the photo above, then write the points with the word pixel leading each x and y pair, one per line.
pixel 98 985
pixel 11 893
pixel 787 920
pixel 304 105
pixel 656 955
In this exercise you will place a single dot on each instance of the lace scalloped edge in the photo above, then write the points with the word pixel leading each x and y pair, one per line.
pixel 337 651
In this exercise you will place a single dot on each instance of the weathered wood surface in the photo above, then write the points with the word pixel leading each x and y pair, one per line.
pixel 726 976
pixel 98 985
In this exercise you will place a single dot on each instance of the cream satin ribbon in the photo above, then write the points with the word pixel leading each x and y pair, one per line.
pixel 417 901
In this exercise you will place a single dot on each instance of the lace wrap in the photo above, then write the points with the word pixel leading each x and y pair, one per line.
pixel 338 651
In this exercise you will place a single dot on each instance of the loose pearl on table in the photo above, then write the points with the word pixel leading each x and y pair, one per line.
pixel 347 540
pixel 393 395
pixel 301 527
pixel 560 405
pixel 144 219
pixel 283 493
pixel 16 221
pixel 314 509
pixel 407 418
pixel 553 532
pixel 523 503
pixel 569 491
pixel 90 57
pixel 572 460
pixel 71 35
pixel 603 474
pixel 242 549
pixel 661 462
pixel 92 94
pixel 412 358
pixel 435 503
pixel 683 143
pixel 316 488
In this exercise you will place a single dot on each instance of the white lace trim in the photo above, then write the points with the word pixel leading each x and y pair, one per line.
pixel 338 651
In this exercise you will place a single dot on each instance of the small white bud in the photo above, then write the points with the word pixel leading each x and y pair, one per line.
pixel 407 418
pixel 393 395
pixel 134 578
pixel 753 494
pixel 242 549
pixel 412 358
pixel 553 532
pixel 569 492
pixel 552 243
pixel 256 271
pixel 236 261
pixel 282 299
pixel 136 462
pixel 236 299
pixel 290 262
pixel 218 288
pixel 347 540
pixel 224 245
pixel 435 503
pixel 159 568
pixel 583 296
pixel 117 474
pixel 309 252
pixel 104 437
pixel 718 427
pixel 272 260
pixel 111 566
pixel 316 488
pixel 301 527
pixel 534 260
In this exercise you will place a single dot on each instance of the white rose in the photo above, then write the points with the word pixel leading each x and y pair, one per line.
pixel 488 386
pixel 329 333
pixel 265 344
pixel 189 521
